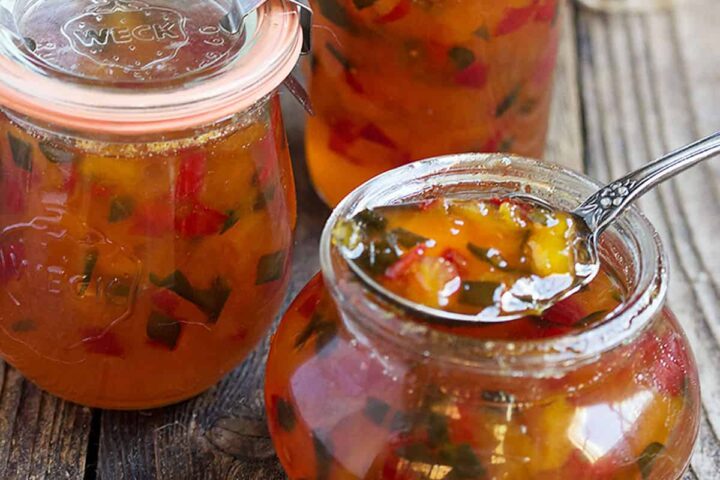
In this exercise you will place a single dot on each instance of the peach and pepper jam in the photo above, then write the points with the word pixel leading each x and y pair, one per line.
pixel 133 274
pixel 399 80
pixel 344 405
pixel 489 257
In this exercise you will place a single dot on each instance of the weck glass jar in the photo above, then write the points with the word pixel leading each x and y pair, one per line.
pixel 398 80
pixel 356 388
pixel 142 158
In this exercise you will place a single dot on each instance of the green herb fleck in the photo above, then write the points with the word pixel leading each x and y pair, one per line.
pixel 648 456
pixel 489 255
pixel 91 258
pixel 406 238
pixel 163 329
pixel 360 4
pixel 264 197
pixel 324 330
pixel 401 422
pixel 461 57
pixel 323 456
pixel 416 453
pixel 506 144
pixel 24 325
pixel 507 102
pixel 339 56
pixel 285 414
pixel 540 216
pixel 465 463
pixel 121 207
pixel 21 152
pixel 482 32
pixel 528 106
pixel 437 427
pixel 335 12
pixel 176 282
pixel 212 301
pixel 117 291
pixel 270 267
pixel 376 410
pixel 233 218
pixel 378 255
pixel 371 221
pixel 588 320
pixel 478 294
pixel 55 154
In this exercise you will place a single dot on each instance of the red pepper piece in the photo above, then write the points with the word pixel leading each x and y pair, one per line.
pixel 400 10
pixel 191 176
pixel 372 133
pixel 12 256
pixel 546 11
pixel 493 143
pixel 201 221
pixel 515 18
pixel 153 219
pixel 100 191
pixel 308 307
pixel 166 301
pixel 567 313
pixel 456 258
pixel 401 267
pixel 474 76
pixel 353 81
pixel 342 136
pixel 97 340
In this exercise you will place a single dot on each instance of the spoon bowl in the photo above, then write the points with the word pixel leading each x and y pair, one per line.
pixel 533 295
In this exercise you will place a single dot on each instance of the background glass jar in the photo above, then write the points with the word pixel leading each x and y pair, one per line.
pixel 355 389
pixel 132 200
pixel 395 80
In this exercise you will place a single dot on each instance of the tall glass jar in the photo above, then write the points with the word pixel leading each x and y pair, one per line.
pixel 398 80
pixel 142 156
pixel 357 389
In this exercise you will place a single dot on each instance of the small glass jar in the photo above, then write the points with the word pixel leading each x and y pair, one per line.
pixel 142 156
pixel 357 389
pixel 398 80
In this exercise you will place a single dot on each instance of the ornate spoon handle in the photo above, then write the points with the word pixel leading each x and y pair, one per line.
pixel 605 205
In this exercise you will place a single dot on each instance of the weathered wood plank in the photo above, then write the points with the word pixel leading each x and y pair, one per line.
pixel 565 139
pixel 638 103
pixel 41 437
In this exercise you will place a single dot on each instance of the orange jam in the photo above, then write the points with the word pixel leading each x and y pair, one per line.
pixel 358 388
pixel 399 80
pixel 491 257
pixel 147 201
pixel 131 274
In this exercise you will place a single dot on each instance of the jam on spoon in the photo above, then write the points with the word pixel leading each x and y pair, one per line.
pixel 535 255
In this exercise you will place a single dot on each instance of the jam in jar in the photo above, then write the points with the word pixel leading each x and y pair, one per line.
pixel 142 157
pixel 602 385
pixel 399 80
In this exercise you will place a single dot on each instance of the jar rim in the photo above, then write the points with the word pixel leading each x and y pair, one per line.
pixel 269 55
pixel 631 236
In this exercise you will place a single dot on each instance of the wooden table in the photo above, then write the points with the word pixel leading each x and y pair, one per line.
pixel 629 87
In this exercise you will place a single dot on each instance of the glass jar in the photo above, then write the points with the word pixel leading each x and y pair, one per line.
pixel 395 80
pixel 142 156
pixel 357 389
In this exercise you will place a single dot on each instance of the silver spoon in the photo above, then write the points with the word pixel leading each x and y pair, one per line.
pixel 533 295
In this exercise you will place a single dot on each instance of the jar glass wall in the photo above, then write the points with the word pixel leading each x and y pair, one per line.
pixel 356 389
pixel 130 272
pixel 395 81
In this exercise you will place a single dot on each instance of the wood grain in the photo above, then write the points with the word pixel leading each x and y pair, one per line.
pixel 41 436
pixel 638 101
